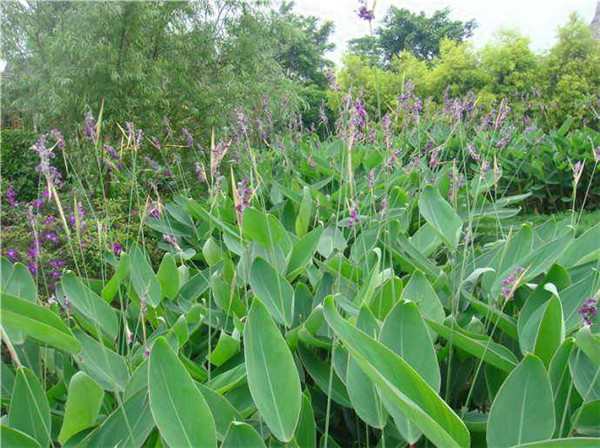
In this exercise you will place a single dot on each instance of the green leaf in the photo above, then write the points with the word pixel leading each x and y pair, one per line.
pixel 419 290
pixel 522 411
pixel 38 323
pixel 179 409
pixel 108 368
pixel 326 379
pixel 227 297
pixel 440 215
pixel 331 239
pixel 306 432
pixel 562 385
pixel 361 389
pixel 303 252
pixel 304 212
pixel 225 349
pixel 29 411
pixel 584 249
pixel 145 282
pixel 84 400
pixel 20 283
pixel 222 410
pixel 405 333
pixel 586 375
pixel 551 332
pixel 480 346
pixel 128 426
pixel 112 287
pixel 272 375
pixel 274 291
pixel 12 438
pixel 168 276
pixel 589 343
pixel 242 435
pixel 90 306
pixel 586 420
pixel 398 381
pixel 262 228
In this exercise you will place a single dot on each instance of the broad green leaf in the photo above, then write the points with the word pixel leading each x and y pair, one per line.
pixel 405 333
pixel 37 322
pixel 128 425
pixel 273 290
pixel 145 282
pixel 222 410
pixel 179 409
pixel 584 249
pixel 227 297
pixel 419 290
pixel 551 331
pixel 226 348
pixel 304 213
pixel 272 375
pixel 242 435
pixel 90 306
pixel 303 252
pixel 83 405
pixel 589 343
pixel 361 389
pixel 586 375
pixel 29 411
pixel 440 215
pixel 331 239
pixel 20 283
pixel 522 411
pixel 112 287
pixel 480 346
pixel 586 420
pixel 562 387
pixel 168 276
pixel 212 252
pixel 306 432
pixel 13 438
pixel 262 228
pixel 398 381
pixel 108 368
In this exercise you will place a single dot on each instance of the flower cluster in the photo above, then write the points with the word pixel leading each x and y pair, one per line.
pixel 364 12
pixel 589 310
pixel 244 195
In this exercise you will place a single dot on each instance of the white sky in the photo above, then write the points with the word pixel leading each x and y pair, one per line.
pixel 537 19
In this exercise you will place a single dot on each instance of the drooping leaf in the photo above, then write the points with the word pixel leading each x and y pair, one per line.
pixel 400 383
pixel 38 323
pixel 145 282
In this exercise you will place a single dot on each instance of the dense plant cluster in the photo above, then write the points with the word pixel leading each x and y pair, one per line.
pixel 365 290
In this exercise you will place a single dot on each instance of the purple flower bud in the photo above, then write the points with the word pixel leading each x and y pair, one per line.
pixel 589 310
pixel 200 172
pixel 90 128
pixel 188 137
pixel 117 249
pixel 364 13
pixel 13 254
pixel 11 197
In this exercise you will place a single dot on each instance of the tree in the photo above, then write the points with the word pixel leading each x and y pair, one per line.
pixel 421 35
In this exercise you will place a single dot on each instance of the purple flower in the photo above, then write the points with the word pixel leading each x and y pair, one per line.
pixel 117 249
pixel 37 204
pixel 58 137
pixel 434 159
pixel 153 163
pixel 244 195
pixel 33 252
pixel 577 171
pixel 364 12
pixel 51 173
pixel 384 206
pixel 147 352
pixel 154 209
pixel 32 268
pixel 589 310
pixel 371 179
pixel 473 153
pixel 504 141
pixel 13 254
pixel 188 136
pixel 90 127
pixel 156 142
pixel 353 219
pixel 333 84
pixel 67 304
pixel 242 121
pixel 51 236
pixel 11 197
pixel 510 282
pixel 200 172
pixel 57 263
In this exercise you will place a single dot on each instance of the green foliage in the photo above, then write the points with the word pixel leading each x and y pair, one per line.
pixel 422 36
